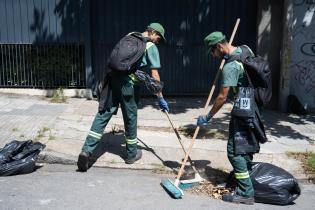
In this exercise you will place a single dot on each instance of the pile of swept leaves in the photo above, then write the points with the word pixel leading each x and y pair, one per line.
pixel 208 189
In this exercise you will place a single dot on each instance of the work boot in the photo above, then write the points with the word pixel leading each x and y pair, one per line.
pixel 83 161
pixel 134 159
pixel 234 198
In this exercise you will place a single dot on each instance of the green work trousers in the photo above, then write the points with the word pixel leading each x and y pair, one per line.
pixel 241 166
pixel 125 94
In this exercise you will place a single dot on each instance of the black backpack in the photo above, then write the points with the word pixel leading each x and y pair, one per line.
pixel 127 52
pixel 257 70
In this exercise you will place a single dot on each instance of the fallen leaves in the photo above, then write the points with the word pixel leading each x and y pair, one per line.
pixel 208 189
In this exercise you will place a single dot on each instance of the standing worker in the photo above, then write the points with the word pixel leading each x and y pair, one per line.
pixel 125 92
pixel 233 77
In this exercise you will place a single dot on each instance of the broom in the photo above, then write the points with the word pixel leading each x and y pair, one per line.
pixel 173 187
pixel 198 178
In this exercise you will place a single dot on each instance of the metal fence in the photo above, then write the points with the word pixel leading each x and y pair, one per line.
pixel 42 65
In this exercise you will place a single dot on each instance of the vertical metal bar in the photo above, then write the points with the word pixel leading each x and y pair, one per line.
pixel 14 66
pixel 15 63
pixel 2 69
pixel 5 82
pixel 27 68
pixel 58 48
pixel 26 71
pixel 58 55
pixel 31 64
pixel 72 61
pixel 36 66
pixel 2 66
pixel 48 59
pixel 66 48
pixel 18 64
pixel 23 64
pixel 74 65
pixel 54 54
pixel 68 60
pixel 42 68
pixel 83 62
pixel 10 66
pixel 79 68
pixel 46 83
pixel 78 71
pixel 77 64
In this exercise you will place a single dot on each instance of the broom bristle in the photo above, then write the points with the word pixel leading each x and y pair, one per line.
pixel 172 189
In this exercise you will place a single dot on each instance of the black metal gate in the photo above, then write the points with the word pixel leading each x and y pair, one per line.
pixel 42 43
pixel 186 67
pixel 51 43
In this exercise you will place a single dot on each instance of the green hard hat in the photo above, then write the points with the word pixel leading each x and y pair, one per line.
pixel 214 38
pixel 159 28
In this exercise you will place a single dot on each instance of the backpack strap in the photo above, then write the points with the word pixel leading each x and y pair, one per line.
pixel 138 35
pixel 246 52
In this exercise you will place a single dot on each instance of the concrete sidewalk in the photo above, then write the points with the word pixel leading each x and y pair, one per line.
pixel 63 128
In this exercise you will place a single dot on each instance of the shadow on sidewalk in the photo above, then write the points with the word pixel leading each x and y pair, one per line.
pixel 275 125
pixel 280 125
pixel 111 143
pixel 177 105
pixel 114 143
pixel 174 165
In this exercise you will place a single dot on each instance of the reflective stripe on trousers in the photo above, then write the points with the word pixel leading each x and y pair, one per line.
pixel 243 175
pixel 93 134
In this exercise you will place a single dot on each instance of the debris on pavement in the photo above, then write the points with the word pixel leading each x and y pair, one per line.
pixel 208 189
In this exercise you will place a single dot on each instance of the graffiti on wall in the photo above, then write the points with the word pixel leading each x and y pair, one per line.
pixel 305 75
pixel 303 2
pixel 303 52
pixel 308 49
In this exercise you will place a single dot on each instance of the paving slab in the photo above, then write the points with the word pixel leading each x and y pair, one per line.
pixel 63 128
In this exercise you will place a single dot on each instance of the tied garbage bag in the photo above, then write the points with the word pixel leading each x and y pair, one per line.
pixel 273 185
pixel 152 84
pixel 19 157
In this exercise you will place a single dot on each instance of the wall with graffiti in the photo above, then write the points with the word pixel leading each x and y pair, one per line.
pixel 302 65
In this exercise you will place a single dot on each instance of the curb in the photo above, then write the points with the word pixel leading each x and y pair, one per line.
pixel 52 157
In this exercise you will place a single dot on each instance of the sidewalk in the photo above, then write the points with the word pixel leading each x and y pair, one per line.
pixel 63 128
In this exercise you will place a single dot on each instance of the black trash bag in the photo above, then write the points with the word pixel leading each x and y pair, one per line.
pixel 19 157
pixel 11 149
pixel 151 84
pixel 273 185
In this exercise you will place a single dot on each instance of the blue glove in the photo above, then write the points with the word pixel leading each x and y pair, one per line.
pixel 204 119
pixel 163 104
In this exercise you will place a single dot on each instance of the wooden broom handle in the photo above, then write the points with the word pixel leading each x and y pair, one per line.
pixel 181 170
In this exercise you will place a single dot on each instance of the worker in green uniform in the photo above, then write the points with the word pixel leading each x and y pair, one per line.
pixel 125 92
pixel 233 76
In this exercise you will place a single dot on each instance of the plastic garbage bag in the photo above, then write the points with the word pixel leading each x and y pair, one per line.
pixel 152 84
pixel 273 185
pixel 19 157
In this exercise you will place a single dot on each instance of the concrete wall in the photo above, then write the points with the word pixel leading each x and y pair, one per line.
pixel 286 38
pixel 301 22
pixel 269 26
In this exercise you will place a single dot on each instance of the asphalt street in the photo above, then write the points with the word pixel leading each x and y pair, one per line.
pixel 62 187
